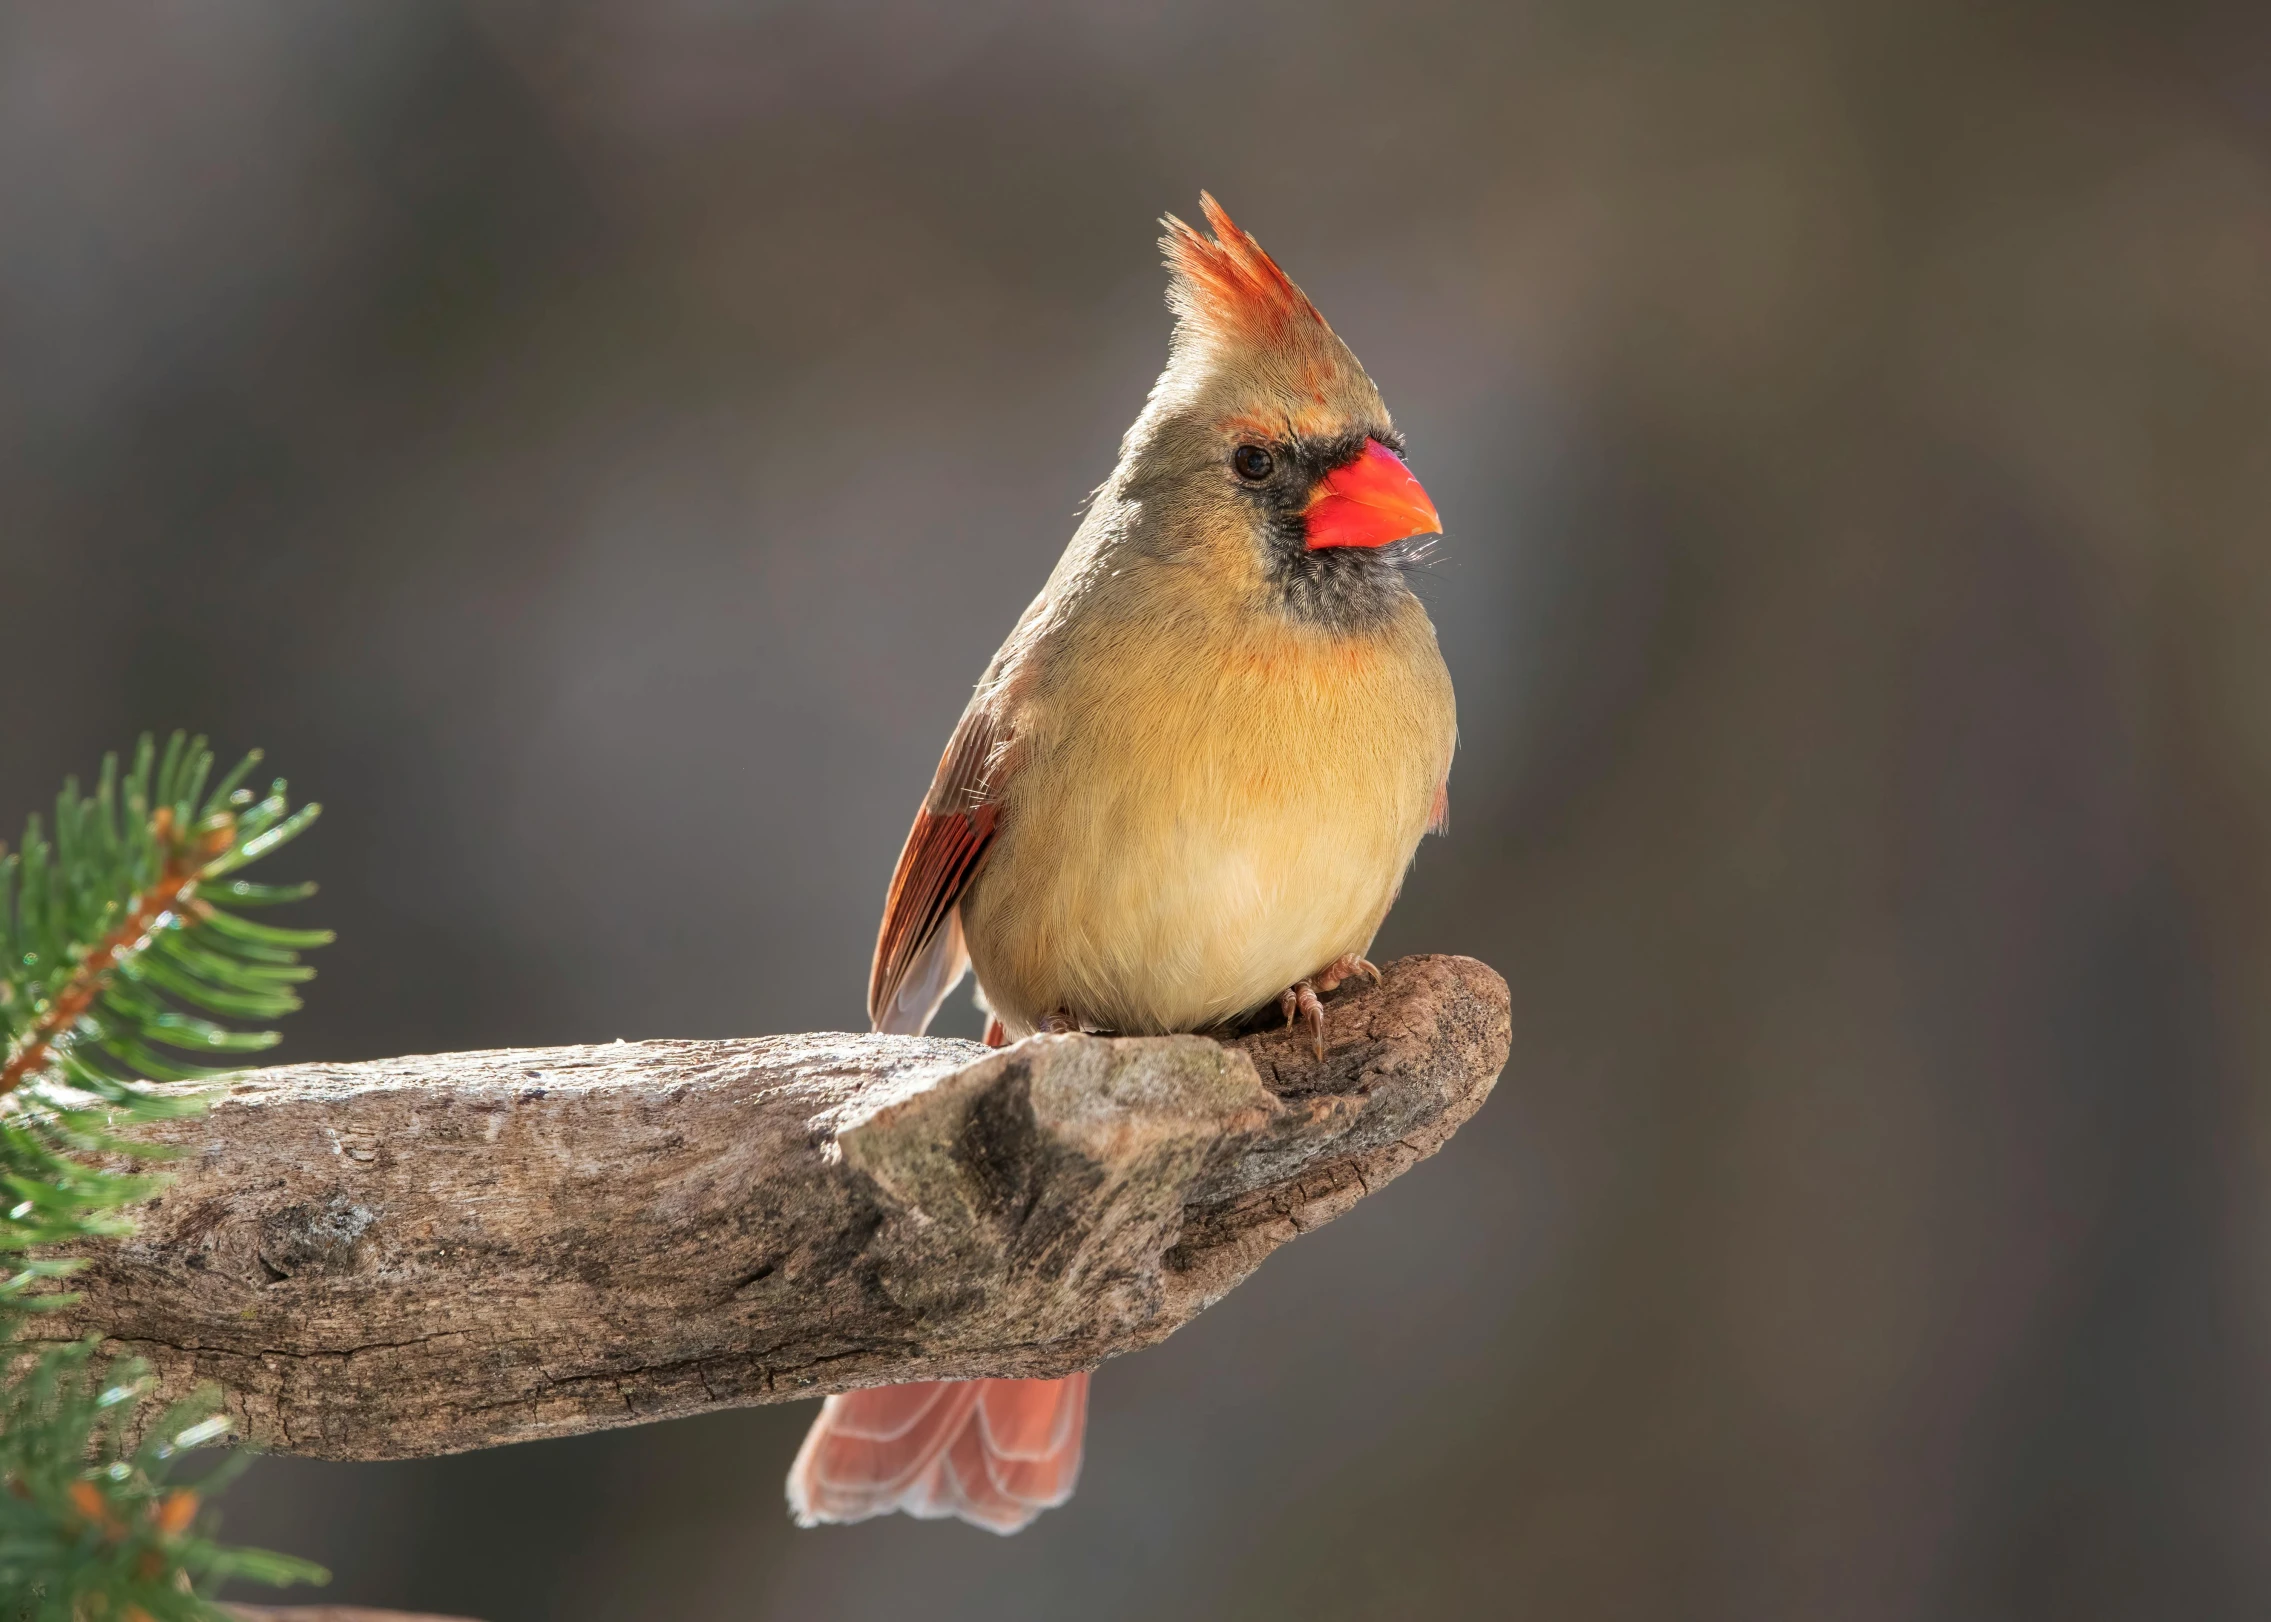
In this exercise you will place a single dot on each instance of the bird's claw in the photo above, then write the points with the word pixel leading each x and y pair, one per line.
pixel 1059 1023
pixel 1299 1001
pixel 1345 967
pixel 1304 999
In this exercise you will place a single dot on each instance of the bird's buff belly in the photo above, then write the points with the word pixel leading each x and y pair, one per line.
pixel 1181 927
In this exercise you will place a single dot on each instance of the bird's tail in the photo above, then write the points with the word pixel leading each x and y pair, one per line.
pixel 994 1452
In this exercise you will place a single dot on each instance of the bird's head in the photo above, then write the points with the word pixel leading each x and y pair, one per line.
pixel 1266 445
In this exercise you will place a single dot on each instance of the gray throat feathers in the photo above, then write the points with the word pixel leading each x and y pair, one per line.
pixel 1342 588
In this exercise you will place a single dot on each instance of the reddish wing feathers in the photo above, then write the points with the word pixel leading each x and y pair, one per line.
pixel 918 950
pixel 909 979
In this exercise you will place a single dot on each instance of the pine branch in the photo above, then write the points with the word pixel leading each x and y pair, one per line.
pixel 146 912
pixel 91 1526
pixel 111 945
pixel 114 943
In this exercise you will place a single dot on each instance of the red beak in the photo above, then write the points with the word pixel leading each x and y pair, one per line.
pixel 1372 501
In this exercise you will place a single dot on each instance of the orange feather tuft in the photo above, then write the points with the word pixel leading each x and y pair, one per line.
pixel 1226 284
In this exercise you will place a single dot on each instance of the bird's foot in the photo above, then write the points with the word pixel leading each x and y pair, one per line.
pixel 1304 999
pixel 1299 1001
pixel 1346 967
pixel 1059 1023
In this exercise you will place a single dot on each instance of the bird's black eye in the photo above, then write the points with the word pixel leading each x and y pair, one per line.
pixel 1252 463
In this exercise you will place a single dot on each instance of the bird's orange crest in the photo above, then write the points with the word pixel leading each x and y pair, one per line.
pixel 1226 285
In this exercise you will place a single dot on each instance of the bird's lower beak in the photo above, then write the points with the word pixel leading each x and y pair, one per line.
pixel 1372 501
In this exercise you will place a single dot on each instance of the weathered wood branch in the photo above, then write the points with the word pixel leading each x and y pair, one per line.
pixel 423 1255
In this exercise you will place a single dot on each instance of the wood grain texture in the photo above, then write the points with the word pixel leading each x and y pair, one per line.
pixel 424 1255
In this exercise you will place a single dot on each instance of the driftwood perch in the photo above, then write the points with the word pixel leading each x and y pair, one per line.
pixel 424 1255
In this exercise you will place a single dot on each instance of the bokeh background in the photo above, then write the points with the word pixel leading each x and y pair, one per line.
pixel 594 447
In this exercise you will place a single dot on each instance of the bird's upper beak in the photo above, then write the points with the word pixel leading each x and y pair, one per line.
pixel 1372 501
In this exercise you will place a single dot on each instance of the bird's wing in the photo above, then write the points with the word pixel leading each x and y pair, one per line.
pixel 1439 816
pixel 918 952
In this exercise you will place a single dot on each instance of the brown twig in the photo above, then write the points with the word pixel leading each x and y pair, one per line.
pixel 185 861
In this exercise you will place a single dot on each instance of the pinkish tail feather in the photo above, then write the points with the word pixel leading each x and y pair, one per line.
pixel 993 1452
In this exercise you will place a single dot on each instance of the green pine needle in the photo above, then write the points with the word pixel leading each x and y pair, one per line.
pixel 119 935
pixel 91 1526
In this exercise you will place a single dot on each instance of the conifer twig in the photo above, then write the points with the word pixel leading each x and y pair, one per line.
pixel 146 912
pixel 97 972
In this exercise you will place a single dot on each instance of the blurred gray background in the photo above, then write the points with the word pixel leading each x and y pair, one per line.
pixel 594 447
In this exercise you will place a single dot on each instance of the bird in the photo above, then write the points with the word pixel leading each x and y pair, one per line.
pixel 1184 793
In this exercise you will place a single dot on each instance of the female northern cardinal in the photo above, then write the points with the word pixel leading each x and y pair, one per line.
pixel 1187 788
